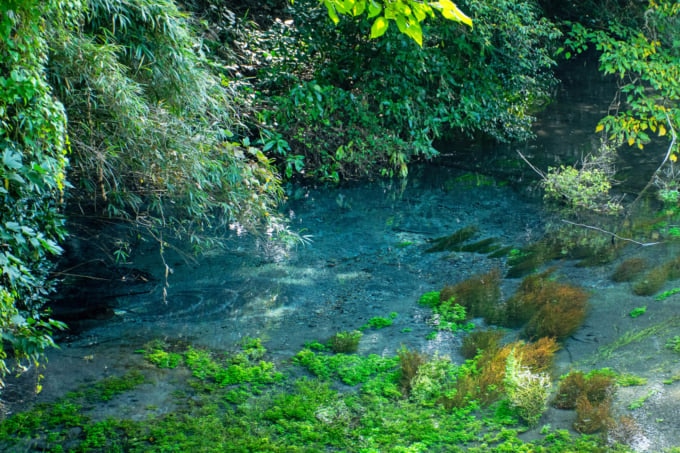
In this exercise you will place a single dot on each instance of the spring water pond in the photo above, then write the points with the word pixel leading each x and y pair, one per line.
pixel 367 257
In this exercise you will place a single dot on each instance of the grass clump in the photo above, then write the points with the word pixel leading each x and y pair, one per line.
pixel 345 342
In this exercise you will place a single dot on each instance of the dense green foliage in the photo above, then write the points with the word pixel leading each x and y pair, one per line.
pixel 640 48
pixel 340 114
pixel 153 123
pixel 407 14
pixel 33 148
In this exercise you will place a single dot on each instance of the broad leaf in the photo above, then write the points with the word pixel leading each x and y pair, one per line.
pixel 379 27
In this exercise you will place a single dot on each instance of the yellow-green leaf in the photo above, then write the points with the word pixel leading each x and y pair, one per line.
pixel 359 8
pixel 373 9
pixel 331 11
pixel 401 23
pixel 379 27
pixel 599 128
pixel 662 130
pixel 450 11
pixel 631 141
pixel 415 32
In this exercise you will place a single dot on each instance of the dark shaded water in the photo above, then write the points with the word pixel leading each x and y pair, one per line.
pixel 367 257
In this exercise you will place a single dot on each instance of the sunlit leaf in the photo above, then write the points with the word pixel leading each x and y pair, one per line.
pixel 662 130
pixel 450 11
pixel 599 128
pixel 379 27
pixel 415 32
pixel 330 6
pixel 359 8
pixel 373 9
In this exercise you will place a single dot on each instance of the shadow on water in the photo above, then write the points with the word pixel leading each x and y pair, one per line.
pixel 368 258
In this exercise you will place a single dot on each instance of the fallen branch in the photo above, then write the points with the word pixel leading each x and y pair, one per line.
pixel 614 235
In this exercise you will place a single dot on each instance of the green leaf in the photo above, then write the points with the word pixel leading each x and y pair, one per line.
pixel 359 8
pixel 379 27
pixel 415 32
pixel 330 6
pixel 374 9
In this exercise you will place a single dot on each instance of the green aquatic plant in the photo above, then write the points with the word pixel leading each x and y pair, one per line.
pixel 480 341
pixel 673 344
pixel 307 413
pixel 527 392
pixel 484 246
pixel 157 353
pixel 453 241
pixel 638 311
pixel 450 316
pixel 433 379
pixel 638 403
pixel 345 342
pixel 630 380
pixel 379 322
pixel 430 299
pixel 666 294
pixel 636 336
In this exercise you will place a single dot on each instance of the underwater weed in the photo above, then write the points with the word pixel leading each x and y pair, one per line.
pixel 479 295
pixel 410 361
pixel 623 431
pixel 629 269
pixel 487 245
pixel 378 322
pixel 592 417
pixel 548 308
pixel 481 340
pixel 453 241
pixel 432 381
pixel 651 281
pixel 569 389
pixel 539 355
pixel 591 395
pixel 561 315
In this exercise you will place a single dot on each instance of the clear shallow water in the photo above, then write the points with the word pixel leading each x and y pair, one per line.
pixel 367 257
